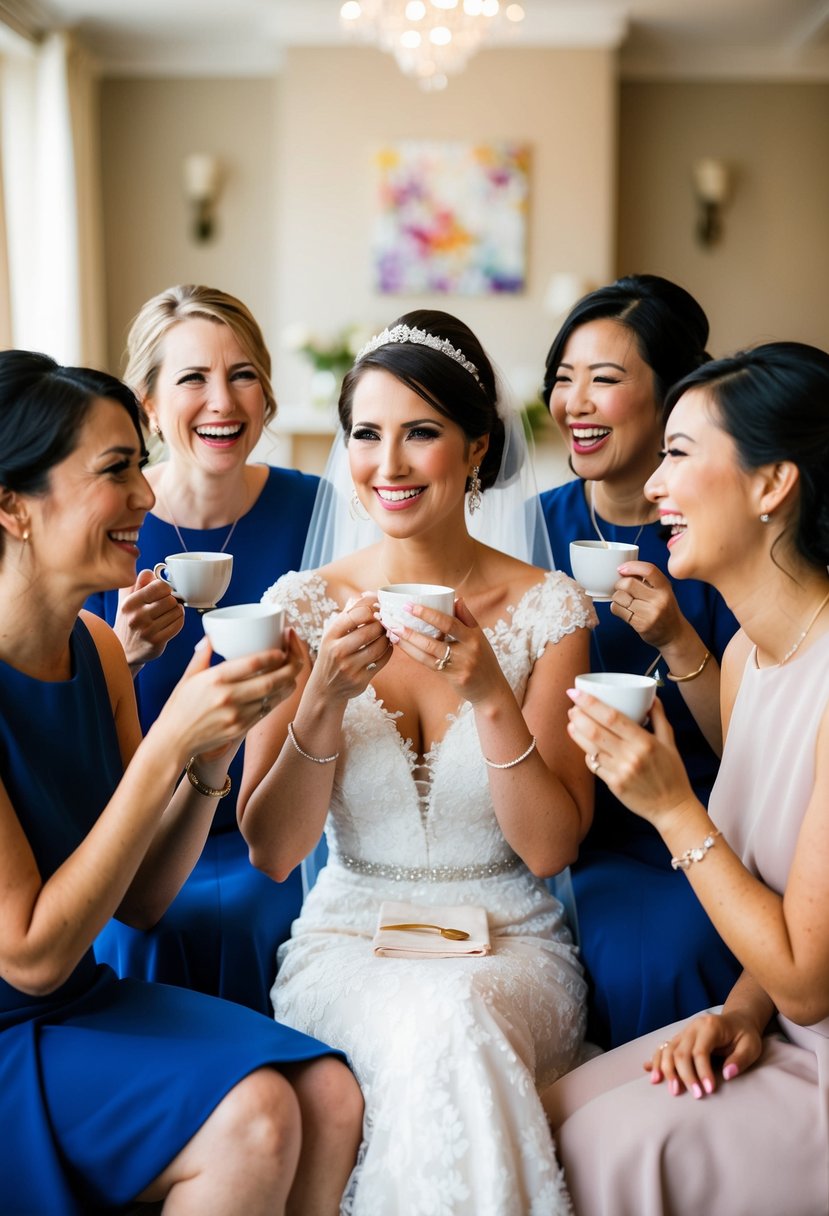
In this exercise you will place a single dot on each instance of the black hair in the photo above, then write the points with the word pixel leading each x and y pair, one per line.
pixel 43 407
pixel 468 400
pixel 773 402
pixel 670 327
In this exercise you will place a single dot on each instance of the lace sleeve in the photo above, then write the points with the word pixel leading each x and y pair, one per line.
pixel 553 608
pixel 307 605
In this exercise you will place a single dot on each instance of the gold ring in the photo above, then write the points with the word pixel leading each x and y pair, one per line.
pixel 630 612
pixel 662 1046
pixel 593 762
pixel 442 664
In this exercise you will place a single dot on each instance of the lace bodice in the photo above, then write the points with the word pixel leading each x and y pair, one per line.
pixel 443 812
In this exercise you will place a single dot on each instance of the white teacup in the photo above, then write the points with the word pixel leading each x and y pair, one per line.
pixel 200 579
pixel 595 564
pixel 245 629
pixel 631 694
pixel 430 595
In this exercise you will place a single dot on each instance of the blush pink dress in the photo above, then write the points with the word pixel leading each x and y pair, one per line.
pixel 759 1146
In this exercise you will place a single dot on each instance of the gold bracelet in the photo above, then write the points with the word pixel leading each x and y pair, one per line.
pixel 199 785
pixel 307 755
pixel 698 854
pixel 692 675
pixel 517 760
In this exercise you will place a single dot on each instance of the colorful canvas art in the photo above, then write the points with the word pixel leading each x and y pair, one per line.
pixel 452 218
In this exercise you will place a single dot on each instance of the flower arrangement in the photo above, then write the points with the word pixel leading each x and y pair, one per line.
pixel 329 357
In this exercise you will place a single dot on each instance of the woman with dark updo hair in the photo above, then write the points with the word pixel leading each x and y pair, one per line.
pixel 115 1090
pixel 732 1116
pixel 439 765
pixel 650 952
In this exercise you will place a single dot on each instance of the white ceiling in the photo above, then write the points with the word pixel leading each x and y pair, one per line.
pixel 696 38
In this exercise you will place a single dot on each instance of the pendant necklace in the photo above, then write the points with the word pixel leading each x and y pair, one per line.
pixel 812 620
pixel 595 524
pixel 457 586
pixel 178 531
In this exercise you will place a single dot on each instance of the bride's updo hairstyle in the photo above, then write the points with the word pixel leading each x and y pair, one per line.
pixel 439 358
pixel 773 402
pixel 669 326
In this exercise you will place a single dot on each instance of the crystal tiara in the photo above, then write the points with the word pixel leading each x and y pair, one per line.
pixel 418 337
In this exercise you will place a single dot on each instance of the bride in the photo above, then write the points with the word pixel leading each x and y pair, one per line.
pixel 441 769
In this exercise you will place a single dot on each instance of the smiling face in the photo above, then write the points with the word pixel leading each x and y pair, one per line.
pixel 603 401
pixel 207 399
pixel 704 495
pixel 84 529
pixel 409 463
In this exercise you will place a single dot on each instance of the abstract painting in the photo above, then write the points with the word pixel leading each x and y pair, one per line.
pixel 452 218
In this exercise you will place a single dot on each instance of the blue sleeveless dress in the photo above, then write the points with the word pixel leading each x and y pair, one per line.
pixel 103 1081
pixel 650 951
pixel 221 933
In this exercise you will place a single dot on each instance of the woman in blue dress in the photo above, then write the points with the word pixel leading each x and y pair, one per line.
pixel 116 1089
pixel 199 365
pixel 650 951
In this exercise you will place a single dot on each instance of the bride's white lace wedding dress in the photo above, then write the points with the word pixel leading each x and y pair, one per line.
pixel 448 1051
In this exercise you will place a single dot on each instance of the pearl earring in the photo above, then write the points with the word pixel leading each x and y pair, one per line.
pixel 765 517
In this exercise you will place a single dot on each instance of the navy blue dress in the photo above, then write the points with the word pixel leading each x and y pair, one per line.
pixel 103 1081
pixel 221 933
pixel 651 953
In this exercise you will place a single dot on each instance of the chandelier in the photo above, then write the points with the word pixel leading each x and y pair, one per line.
pixel 430 39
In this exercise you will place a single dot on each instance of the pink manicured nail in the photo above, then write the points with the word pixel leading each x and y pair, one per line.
pixel 394 637
pixel 675 1089
pixel 696 1090
pixel 730 1071
pixel 656 1076
pixel 573 694
pixel 409 607
pixel 708 1085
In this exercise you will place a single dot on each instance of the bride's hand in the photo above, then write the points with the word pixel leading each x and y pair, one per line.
pixel 353 649
pixel 461 654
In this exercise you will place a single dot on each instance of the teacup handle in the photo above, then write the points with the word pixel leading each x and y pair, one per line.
pixel 160 571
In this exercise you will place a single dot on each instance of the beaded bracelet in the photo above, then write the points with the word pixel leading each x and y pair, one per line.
pixel 692 675
pixel 307 755
pixel 207 790
pixel 698 854
pixel 517 760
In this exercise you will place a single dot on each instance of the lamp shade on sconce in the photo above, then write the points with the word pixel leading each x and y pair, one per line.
pixel 202 174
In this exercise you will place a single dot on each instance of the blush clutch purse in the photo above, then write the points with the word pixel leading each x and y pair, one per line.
pixel 407 930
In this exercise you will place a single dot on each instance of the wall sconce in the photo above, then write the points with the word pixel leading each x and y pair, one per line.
pixel 711 185
pixel 202 180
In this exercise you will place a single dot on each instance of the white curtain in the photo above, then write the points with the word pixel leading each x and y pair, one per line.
pixel 52 195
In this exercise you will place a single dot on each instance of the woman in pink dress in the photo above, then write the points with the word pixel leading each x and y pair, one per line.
pixel 732 1112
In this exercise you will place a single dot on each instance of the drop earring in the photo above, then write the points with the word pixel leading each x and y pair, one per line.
pixel 356 509
pixel 474 500
pixel 155 430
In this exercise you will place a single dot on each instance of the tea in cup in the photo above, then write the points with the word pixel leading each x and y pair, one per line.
pixel 631 694
pixel 245 629
pixel 595 564
pixel 200 579
pixel 393 598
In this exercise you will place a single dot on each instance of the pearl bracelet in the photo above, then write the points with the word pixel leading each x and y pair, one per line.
pixel 307 755
pixel 698 854
pixel 207 790
pixel 517 760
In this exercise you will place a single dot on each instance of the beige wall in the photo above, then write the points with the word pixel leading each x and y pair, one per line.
pixel 297 213
pixel 768 278
pixel 148 127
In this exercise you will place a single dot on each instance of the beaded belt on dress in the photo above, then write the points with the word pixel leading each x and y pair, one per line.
pixel 377 869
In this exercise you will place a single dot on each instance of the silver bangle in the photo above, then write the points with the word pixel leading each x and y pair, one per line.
pixel 208 791
pixel 307 755
pixel 698 854
pixel 517 760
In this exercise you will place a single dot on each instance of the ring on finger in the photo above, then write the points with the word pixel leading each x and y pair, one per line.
pixel 442 663
pixel 371 667
pixel 662 1046
pixel 630 612
pixel 593 762
pixel 265 707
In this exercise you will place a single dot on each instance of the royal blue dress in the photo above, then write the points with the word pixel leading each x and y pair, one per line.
pixel 220 935
pixel 650 951
pixel 103 1081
